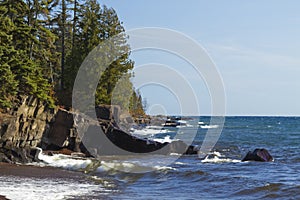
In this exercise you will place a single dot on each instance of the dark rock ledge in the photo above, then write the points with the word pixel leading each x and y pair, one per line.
pixel 32 124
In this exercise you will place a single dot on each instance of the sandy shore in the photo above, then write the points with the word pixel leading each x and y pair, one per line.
pixel 29 171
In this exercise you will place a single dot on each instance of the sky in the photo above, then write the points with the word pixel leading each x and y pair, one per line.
pixel 255 46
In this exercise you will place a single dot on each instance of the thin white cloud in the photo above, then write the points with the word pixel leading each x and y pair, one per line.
pixel 241 55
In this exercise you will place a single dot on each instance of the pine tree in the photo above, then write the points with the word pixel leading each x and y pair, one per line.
pixel 111 26
pixel 25 69
pixel 136 107
pixel 8 84
pixel 43 50
pixel 44 42
pixel 96 25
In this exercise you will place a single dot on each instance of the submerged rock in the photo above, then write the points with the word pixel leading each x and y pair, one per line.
pixel 261 155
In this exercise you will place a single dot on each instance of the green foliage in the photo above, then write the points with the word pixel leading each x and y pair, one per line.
pixel 42 46
pixel 8 83
pixel 97 25
pixel 136 106
pixel 21 72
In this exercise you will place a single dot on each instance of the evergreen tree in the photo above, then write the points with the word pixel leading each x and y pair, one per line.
pixel 136 107
pixel 27 71
pixel 42 50
pixel 97 25
pixel 8 84
pixel 44 42
pixel 111 26
pixel 61 26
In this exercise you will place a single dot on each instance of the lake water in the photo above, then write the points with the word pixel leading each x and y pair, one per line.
pixel 218 176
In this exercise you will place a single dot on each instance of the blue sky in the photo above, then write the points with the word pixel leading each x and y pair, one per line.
pixel 254 44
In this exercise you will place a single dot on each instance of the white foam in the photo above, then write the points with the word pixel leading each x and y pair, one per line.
pixel 18 188
pixel 209 126
pixel 64 161
pixel 165 139
pixel 164 168
pixel 216 159
pixel 135 165
pixel 185 126
pixel 175 154
pixel 180 163
pixel 217 154
pixel 120 166
pixel 149 130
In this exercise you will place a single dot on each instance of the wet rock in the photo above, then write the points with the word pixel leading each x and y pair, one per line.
pixel 261 155
pixel 31 124
pixel 3 197
pixel 19 155
pixel 108 112
pixel 118 142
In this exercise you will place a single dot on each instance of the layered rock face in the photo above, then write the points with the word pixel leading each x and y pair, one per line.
pixel 22 129
pixel 33 125
pixel 25 126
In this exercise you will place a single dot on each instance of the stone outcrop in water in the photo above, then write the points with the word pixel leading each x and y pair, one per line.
pixel 261 155
pixel 33 125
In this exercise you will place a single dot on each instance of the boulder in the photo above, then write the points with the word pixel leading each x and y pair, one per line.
pixel 108 112
pixel 118 142
pixel 3 197
pixel 261 155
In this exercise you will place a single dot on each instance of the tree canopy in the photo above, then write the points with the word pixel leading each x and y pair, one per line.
pixel 42 46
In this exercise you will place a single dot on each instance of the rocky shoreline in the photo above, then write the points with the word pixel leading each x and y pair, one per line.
pixel 31 124
pixel 3 198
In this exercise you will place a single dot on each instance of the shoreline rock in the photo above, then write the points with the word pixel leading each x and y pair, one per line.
pixel 3 197
pixel 260 155
pixel 32 125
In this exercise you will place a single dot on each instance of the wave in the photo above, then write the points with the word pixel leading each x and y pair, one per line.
pixel 17 188
pixel 119 166
pixel 209 126
pixel 108 164
pixel 149 130
pixel 165 139
pixel 133 166
pixel 217 157
pixel 64 161
pixel 262 191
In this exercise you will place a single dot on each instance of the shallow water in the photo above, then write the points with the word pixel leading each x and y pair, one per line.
pixel 219 176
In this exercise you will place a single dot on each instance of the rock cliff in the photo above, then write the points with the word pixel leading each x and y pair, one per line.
pixel 33 125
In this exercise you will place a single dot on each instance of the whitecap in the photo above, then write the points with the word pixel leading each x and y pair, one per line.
pixel 216 159
pixel 209 126
pixel 45 189
pixel 64 161
pixel 165 139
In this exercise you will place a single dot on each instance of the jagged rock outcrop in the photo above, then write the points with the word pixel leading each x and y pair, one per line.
pixel 25 126
pixel 22 128
pixel 33 125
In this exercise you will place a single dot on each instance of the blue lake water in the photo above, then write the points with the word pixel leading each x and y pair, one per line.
pixel 219 176
pixel 223 176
